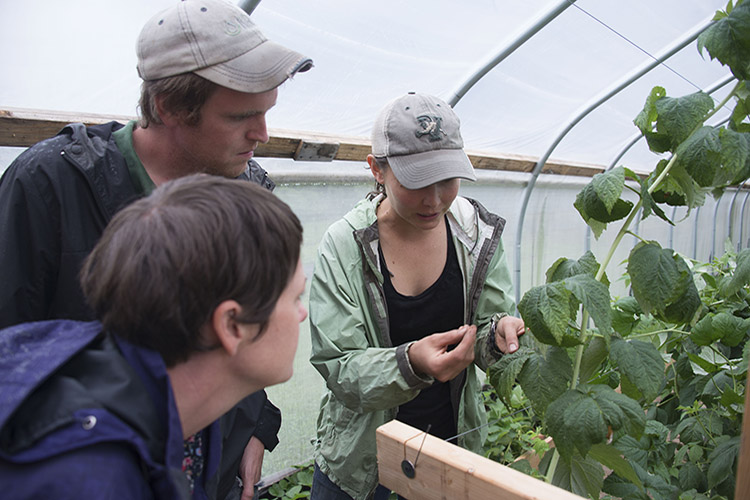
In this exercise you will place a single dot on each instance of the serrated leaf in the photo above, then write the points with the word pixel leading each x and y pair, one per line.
pixel 683 309
pixel 728 40
pixel 721 461
pixel 740 276
pixel 633 449
pixel 564 267
pixel 595 353
pixel 656 277
pixel 740 113
pixel 678 117
pixel 692 477
pixel 546 311
pixel 695 196
pixel 594 296
pixel 730 329
pixel 543 379
pixel 641 363
pixel 649 205
pixel 503 373
pixel 700 156
pixel 608 186
pixel 596 209
pixel 582 476
pixel 735 158
pixel 611 457
pixel 581 417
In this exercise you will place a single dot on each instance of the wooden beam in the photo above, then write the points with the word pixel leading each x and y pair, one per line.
pixel 444 470
pixel 742 487
pixel 24 127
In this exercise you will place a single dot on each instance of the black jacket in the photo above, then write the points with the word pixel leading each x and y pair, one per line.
pixel 55 200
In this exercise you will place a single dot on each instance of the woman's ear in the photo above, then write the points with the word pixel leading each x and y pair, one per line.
pixel 228 331
pixel 375 169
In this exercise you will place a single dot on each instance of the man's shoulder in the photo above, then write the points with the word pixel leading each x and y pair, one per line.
pixel 47 153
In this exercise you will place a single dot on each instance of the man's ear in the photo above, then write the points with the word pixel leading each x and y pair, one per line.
pixel 376 172
pixel 225 326
pixel 166 117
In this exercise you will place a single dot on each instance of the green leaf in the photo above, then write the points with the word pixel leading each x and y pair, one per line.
pixel 731 329
pixel 590 206
pixel 741 112
pixel 728 40
pixel 692 477
pixel 611 457
pixel 582 476
pixel 741 275
pixel 595 353
pixel 580 418
pixel 594 295
pixel 641 363
pixel 721 461
pixel 546 311
pixel 655 276
pixel 662 283
pixel 695 196
pixel 608 186
pixel 544 379
pixel 679 117
pixel 735 158
pixel 649 205
pixel 700 155
pixel 724 327
pixel 503 373
pixel 565 268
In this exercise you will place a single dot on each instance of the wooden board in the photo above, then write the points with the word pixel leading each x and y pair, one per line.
pixel 444 470
pixel 24 127
pixel 742 487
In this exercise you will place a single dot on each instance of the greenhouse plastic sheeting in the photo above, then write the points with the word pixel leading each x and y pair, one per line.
pixel 79 55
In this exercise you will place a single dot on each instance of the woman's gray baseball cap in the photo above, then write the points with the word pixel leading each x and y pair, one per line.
pixel 420 136
pixel 216 40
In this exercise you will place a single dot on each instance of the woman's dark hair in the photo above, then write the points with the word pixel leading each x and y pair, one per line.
pixel 382 163
pixel 165 262
pixel 183 95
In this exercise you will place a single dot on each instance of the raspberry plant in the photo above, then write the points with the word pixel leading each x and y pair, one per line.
pixel 654 390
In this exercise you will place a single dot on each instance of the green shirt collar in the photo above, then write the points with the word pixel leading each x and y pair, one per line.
pixel 124 141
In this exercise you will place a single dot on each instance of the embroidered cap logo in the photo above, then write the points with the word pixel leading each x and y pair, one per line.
pixel 431 127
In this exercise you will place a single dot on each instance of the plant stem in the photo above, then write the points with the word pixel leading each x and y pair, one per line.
pixel 552 466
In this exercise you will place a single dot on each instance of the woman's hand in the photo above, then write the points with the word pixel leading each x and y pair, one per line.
pixel 507 331
pixel 430 355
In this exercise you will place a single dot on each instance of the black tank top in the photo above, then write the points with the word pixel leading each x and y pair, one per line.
pixel 438 309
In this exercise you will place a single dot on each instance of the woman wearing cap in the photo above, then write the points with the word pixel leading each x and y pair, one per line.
pixel 411 289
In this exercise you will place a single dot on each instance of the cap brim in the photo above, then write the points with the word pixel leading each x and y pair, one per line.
pixel 422 169
pixel 263 68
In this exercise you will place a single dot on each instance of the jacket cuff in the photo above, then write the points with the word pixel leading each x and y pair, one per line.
pixel 268 425
pixel 494 350
pixel 404 365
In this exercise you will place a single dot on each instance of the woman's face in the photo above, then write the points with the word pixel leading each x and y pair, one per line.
pixel 421 208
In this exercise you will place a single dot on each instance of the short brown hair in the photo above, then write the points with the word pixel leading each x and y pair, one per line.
pixel 165 262
pixel 183 94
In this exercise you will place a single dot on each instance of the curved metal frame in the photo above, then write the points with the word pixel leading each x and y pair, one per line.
pixel 508 49
pixel 606 95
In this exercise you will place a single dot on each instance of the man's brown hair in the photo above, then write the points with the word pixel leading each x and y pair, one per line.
pixel 165 262
pixel 183 95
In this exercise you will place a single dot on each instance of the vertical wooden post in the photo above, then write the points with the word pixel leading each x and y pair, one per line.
pixel 444 470
pixel 742 488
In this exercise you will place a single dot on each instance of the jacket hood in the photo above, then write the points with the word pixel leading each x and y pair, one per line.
pixel 54 370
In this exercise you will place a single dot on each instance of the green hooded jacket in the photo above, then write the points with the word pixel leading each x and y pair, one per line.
pixel 366 376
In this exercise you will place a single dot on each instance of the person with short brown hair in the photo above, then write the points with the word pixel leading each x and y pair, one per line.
pixel 190 326
pixel 209 78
